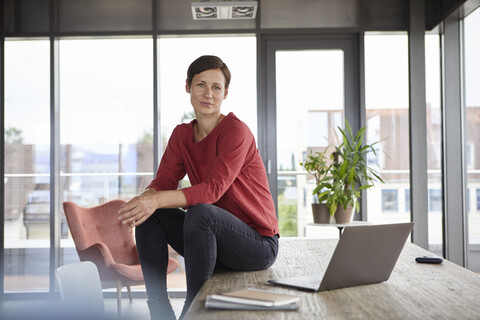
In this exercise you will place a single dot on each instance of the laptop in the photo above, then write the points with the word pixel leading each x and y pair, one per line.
pixel 364 255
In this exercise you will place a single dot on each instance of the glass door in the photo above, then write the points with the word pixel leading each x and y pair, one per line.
pixel 310 89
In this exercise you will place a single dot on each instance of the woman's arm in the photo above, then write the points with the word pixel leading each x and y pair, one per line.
pixel 170 171
pixel 140 208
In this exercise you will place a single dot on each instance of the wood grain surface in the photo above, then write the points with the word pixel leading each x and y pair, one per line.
pixel 414 290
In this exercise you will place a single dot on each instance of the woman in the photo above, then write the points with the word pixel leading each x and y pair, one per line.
pixel 230 218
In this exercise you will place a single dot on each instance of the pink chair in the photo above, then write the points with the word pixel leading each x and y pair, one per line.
pixel 101 238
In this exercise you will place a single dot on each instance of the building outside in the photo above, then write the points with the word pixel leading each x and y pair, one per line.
pixel 388 202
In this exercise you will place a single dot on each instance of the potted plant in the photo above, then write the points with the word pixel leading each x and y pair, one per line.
pixel 317 164
pixel 348 174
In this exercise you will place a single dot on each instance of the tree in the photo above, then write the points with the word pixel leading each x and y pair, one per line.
pixel 13 136
pixel 187 117
pixel 287 217
pixel 294 166
pixel 146 138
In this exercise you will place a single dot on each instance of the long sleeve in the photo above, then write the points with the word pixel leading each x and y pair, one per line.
pixel 224 169
pixel 233 148
pixel 171 169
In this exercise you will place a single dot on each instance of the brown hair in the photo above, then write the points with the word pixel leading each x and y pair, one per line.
pixel 205 63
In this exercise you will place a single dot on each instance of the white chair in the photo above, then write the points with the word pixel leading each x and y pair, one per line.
pixel 81 289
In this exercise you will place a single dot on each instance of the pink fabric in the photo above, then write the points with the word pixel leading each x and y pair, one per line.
pixel 225 169
pixel 101 238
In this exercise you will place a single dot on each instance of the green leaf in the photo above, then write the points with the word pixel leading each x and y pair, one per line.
pixel 365 186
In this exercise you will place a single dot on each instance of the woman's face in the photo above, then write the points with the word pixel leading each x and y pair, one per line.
pixel 207 92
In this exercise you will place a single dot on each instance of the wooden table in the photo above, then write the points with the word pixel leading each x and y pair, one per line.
pixel 414 291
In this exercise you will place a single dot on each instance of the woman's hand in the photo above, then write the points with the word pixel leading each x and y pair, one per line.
pixel 139 209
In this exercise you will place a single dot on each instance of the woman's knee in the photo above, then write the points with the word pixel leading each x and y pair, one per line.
pixel 200 214
pixel 162 225
pixel 151 221
pixel 160 219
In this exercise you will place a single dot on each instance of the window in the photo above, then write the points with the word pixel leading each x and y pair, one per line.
pixel 309 109
pixel 27 166
pixel 478 200
pixel 106 116
pixel 389 200
pixel 407 200
pixel 472 126
pixel 434 142
pixel 434 200
pixel 468 200
pixel 470 155
pixel 386 101
pixel 106 131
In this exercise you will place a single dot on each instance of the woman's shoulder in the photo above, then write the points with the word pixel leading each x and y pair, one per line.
pixel 181 132
pixel 183 128
pixel 234 127
pixel 232 122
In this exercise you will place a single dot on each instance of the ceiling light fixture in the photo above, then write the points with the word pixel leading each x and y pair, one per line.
pixel 210 10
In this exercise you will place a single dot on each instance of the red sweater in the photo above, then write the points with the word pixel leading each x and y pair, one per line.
pixel 224 169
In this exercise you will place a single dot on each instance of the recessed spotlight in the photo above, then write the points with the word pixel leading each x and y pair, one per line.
pixel 218 10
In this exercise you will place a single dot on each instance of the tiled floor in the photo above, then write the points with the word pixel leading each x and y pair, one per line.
pixel 41 309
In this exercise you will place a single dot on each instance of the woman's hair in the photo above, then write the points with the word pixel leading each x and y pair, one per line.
pixel 205 63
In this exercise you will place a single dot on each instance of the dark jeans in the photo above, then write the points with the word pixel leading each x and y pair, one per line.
pixel 207 237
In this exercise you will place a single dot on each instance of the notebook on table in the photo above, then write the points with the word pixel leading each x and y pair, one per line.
pixel 364 255
pixel 252 299
pixel 212 303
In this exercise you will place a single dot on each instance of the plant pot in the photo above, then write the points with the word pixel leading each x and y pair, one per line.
pixel 320 213
pixel 343 215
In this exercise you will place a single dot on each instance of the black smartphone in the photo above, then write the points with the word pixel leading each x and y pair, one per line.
pixel 429 259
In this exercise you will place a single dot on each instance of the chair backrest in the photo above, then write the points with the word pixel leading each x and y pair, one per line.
pixel 100 224
pixel 80 288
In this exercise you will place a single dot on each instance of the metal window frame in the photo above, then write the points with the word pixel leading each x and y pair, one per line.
pixel 2 144
pixel 454 168
pixel 354 102
pixel 417 112
pixel 55 152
